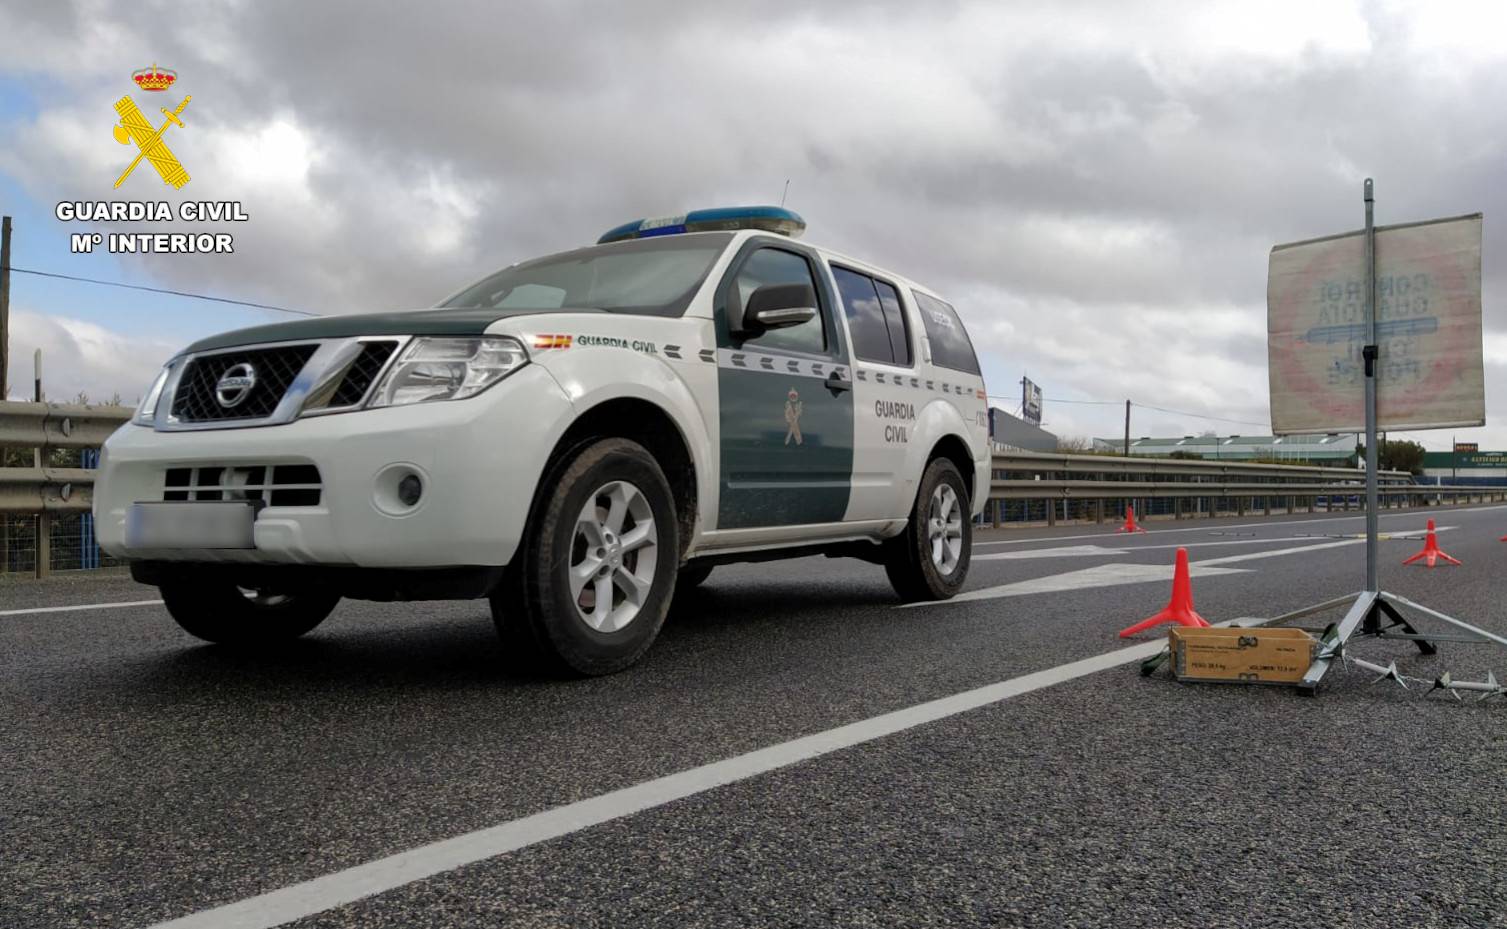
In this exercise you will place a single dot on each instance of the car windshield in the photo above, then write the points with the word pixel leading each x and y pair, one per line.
pixel 654 277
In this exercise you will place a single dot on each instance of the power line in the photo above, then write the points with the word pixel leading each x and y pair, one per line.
pixel 160 290
pixel 1087 402
pixel 1144 406
pixel 1221 419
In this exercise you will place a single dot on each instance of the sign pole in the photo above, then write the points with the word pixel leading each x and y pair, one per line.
pixel 1370 353
pixel 4 306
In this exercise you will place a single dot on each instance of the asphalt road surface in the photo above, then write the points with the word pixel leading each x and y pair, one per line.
pixel 777 760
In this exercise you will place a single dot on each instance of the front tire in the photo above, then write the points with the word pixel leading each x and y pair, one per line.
pixel 216 610
pixel 930 559
pixel 596 568
pixel 692 575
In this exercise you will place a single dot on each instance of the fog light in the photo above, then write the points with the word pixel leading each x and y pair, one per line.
pixel 410 489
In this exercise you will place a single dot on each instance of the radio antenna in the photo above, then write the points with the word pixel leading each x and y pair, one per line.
pixel 786 192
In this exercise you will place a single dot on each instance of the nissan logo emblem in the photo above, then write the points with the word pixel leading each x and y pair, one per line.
pixel 235 385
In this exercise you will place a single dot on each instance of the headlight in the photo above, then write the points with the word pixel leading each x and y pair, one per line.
pixel 448 369
pixel 146 411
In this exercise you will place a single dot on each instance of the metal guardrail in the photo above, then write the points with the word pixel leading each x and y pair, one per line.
pixel 1191 467
pixel 1081 480
pixel 48 426
pixel 1055 480
pixel 51 490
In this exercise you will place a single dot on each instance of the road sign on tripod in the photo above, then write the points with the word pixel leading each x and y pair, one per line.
pixel 1378 329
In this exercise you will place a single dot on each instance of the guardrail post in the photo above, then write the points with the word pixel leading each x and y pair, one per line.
pixel 44 544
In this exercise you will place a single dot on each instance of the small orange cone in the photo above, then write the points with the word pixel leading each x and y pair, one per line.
pixel 1130 523
pixel 1180 608
pixel 1431 552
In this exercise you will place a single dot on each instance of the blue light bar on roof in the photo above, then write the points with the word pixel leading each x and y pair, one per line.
pixel 722 219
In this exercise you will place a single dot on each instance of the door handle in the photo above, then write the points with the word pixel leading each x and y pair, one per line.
pixel 836 384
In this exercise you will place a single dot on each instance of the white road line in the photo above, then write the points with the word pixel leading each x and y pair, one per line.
pixel 1116 574
pixel 1253 556
pixel 365 880
pixel 1075 551
pixel 81 606
pixel 1103 575
pixel 1220 527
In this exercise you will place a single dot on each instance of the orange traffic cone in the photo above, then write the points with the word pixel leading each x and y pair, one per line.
pixel 1431 552
pixel 1180 608
pixel 1130 523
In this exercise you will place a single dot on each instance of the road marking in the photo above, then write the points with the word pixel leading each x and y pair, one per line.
pixel 1104 575
pixel 1206 528
pixel 1074 551
pixel 82 606
pixel 1112 575
pixel 298 901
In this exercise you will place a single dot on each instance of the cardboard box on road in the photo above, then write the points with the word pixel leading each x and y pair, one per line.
pixel 1241 656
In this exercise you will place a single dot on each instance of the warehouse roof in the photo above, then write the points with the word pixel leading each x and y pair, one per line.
pixel 1308 447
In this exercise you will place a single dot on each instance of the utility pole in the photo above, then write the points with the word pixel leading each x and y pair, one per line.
pixel 1127 428
pixel 4 305
pixel 44 518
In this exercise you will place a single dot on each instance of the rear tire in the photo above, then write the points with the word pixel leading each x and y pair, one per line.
pixel 595 572
pixel 930 559
pixel 216 610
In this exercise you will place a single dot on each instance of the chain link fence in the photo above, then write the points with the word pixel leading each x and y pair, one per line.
pixel 71 547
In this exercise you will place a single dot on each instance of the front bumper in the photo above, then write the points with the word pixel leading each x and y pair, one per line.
pixel 479 459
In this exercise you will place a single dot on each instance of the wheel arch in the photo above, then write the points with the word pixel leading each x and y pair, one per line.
pixel 954 449
pixel 940 433
pixel 649 424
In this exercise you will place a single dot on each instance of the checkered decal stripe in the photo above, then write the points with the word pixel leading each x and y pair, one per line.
pixel 748 361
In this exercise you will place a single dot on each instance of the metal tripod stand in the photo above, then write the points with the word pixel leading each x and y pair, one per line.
pixel 1375 612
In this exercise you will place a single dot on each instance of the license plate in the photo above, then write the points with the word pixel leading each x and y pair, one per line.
pixel 197 524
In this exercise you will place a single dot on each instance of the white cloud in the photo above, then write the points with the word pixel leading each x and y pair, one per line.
pixel 1094 185
pixel 81 357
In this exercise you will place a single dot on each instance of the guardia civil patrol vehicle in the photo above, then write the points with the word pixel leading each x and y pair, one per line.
pixel 579 438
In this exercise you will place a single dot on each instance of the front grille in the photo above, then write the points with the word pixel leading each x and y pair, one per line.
pixel 275 368
pixel 276 485
pixel 362 372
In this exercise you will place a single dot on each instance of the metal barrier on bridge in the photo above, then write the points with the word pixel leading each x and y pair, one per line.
pixel 1029 487
pixel 46 524
pixel 48 453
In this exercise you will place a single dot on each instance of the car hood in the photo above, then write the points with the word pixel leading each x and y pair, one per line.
pixel 467 321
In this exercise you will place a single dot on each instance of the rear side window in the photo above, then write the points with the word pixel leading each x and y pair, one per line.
pixel 874 317
pixel 894 317
pixel 950 347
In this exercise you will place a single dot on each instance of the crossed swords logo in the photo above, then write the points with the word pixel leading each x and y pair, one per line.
pixel 134 127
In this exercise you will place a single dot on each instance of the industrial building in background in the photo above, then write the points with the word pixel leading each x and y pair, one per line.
pixel 1335 449
pixel 1468 468
pixel 1007 431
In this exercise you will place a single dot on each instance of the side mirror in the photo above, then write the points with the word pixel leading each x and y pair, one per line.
pixel 776 306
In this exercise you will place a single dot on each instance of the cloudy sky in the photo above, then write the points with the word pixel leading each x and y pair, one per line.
pixel 1096 186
